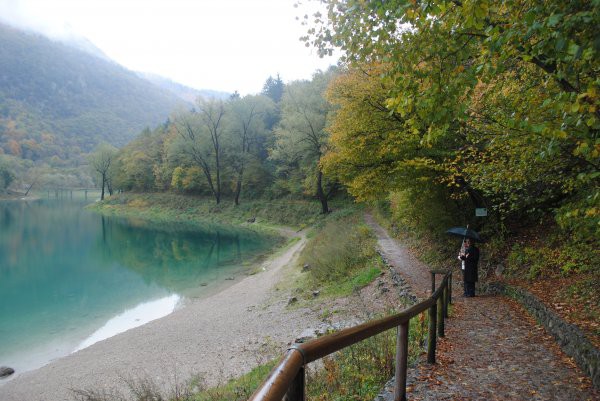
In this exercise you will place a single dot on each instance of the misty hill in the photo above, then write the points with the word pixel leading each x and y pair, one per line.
pixel 58 100
pixel 184 92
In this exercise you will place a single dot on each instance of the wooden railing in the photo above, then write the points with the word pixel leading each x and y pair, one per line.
pixel 287 380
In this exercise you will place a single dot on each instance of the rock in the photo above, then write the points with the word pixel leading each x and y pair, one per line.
pixel 292 300
pixel 251 220
pixel 203 284
pixel 230 278
pixel 305 268
pixel 499 270
pixel 384 290
pixel 316 293
pixel 6 371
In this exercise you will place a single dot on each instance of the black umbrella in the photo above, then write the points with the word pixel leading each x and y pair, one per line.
pixel 465 232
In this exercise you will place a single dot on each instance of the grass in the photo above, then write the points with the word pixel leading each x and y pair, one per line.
pixel 359 372
pixel 238 389
pixel 160 207
pixel 341 257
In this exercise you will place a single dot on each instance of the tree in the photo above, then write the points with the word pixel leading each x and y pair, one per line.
pixel 301 138
pixel 273 88
pixel 507 92
pixel 371 150
pixel 7 175
pixel 139 164
pixel 246 128
pixel 200 135
pixel 100 161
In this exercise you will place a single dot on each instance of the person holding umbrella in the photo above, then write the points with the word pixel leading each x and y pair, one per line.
pixel 470 257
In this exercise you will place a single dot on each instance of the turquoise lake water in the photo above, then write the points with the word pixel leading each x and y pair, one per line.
pixel 70 277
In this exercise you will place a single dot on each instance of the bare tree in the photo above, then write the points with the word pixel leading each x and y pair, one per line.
pixel 100 162
pixel 201 131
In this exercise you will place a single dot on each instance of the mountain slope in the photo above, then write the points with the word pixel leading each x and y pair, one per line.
pixel 57 100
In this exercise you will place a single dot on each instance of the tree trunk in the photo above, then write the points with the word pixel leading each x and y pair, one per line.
pixel 238 187
pixel 218 168
pixel 321 195
pixel 103 183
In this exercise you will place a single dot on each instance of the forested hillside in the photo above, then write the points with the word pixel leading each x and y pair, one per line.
pixel 57 102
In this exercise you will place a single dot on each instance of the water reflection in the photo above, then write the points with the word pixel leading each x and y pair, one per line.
pixel 174 257
pixel 141 314
pixel 65 272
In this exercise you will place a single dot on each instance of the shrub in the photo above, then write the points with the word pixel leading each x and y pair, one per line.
pixel 340 247
pixel 564 259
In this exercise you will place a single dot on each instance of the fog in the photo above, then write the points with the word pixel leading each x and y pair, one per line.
pixel 223 45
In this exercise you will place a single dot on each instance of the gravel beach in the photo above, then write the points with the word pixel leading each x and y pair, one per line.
pixel 218 337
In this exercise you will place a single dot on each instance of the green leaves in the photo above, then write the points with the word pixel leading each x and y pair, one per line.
pixel 503 97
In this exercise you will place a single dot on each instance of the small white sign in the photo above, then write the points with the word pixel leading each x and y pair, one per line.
pixel 481 212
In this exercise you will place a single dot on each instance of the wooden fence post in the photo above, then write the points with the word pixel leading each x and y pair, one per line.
pixel 450 288
pixel 440 315
pixel 401 361
pixel 431 338
pixel 432 282
pixel 296 391
pixel 445 298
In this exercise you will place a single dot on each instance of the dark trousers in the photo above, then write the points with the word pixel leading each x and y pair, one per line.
pixel 469 289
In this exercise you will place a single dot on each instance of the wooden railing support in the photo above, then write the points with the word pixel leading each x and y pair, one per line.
pixel 440 316
pixel 432 281
pixel 401 362
pixel 445 297
pixel 431 337
pixel 450 287
pixel 297 389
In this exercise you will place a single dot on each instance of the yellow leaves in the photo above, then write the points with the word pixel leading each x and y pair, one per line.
pixel 596 152
pixel 582 148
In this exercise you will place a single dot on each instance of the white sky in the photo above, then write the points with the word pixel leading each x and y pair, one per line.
pixel 206 44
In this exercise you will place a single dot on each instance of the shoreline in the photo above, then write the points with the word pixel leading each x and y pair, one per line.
pixel 217 337
pixel 44 346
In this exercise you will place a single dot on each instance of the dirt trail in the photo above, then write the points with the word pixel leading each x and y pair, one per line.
pixel 493 350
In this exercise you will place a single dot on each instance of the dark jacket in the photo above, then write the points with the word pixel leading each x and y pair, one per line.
pixel 471 259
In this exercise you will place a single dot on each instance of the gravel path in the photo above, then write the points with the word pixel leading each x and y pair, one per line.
pixel 493 350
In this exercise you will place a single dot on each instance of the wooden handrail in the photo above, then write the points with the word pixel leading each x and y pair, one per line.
pixel 289 373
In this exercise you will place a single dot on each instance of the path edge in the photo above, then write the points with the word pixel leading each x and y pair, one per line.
pixel 569 337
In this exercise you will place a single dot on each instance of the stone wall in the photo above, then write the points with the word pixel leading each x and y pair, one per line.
pixel 570 338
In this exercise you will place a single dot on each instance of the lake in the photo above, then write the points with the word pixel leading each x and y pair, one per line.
pixel 70 277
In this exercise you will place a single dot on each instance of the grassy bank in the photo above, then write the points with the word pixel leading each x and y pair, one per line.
pixel 340 257
pixel 170 207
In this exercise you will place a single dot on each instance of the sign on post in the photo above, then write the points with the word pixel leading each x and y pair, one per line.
pixel 480 212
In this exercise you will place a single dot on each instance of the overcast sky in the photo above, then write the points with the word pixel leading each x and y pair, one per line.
pixel 206 44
